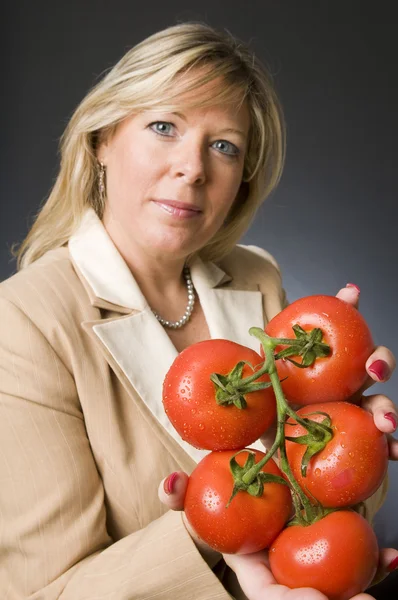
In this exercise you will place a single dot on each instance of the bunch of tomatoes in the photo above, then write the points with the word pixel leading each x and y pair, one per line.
pixel 298 499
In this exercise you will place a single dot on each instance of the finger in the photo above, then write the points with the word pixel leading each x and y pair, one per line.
pixel 211 556
pixel 388 562
pixel 252 571
pixel 172 490
pixel 280 592
pixel 383 410
pixel 350 294
pixel 379 366
pixel 392 447
pixel 258 583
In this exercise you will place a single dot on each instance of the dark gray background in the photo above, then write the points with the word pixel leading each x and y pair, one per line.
pixel 333 218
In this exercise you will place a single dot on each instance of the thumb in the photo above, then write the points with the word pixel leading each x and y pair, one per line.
pixel 388 562
pixel 172 490
pixel 349 294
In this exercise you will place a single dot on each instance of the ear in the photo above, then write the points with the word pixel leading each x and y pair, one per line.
pixel 101 151
pixel 101 143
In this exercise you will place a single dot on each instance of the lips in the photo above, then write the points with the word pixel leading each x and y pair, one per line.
pixel 178 205
pixel 180 210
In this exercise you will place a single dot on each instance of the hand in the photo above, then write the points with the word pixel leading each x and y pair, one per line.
pixel 380 366
pixel 252 570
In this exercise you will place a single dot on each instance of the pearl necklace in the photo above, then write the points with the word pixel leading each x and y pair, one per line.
pixel 188 311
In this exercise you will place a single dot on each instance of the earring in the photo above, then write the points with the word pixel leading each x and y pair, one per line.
pixel 101 181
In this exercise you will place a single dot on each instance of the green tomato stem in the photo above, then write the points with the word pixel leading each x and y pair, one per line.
pixel 299 346
pixel 283 410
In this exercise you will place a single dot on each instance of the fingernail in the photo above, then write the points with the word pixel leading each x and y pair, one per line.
pixel 393 564
pixel 380 369
pixel 391 417
pixel 169 483
pixel 354 286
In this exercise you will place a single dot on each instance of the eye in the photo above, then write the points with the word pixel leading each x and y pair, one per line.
pixel 162 128
pixel 226 147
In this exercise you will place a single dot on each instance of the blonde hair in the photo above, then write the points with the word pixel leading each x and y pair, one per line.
pixel 144 78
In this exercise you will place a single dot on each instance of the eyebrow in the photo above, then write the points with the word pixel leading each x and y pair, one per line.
pixel 225 130
pixel 232 130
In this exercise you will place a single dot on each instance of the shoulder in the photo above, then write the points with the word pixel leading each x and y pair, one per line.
pixel 251 268
pixel 249 262
pixel 53 271
pixel 48 291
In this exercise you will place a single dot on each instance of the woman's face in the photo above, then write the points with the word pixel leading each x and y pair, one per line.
pixel 171 178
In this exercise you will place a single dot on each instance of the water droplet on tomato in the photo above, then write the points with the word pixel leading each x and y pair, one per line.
pixel 351 454
pixel 342 445
pixel 201 426
pixel 193 411
pixel 317 472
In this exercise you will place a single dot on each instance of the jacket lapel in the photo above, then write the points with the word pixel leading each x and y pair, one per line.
pixel 133 341
pixel 230 312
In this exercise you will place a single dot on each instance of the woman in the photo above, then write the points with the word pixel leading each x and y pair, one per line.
pixel 163 166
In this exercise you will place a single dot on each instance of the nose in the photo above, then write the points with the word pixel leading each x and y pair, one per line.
pixel 189 163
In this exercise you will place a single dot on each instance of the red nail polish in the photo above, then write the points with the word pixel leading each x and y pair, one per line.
pixel 391 417
pixel 169 482
pixel 354 286
pixel 393 564
pixel 380 369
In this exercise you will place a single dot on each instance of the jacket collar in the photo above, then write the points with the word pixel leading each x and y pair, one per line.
pixel 109 283
pixel 107 277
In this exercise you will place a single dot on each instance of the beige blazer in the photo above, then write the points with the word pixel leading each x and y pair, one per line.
pixel 84 438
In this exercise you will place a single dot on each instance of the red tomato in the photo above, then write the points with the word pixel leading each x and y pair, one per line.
pixel 189 397
pixel 249 523
pixel 337 555
pixel 353 463
pixel 332 378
